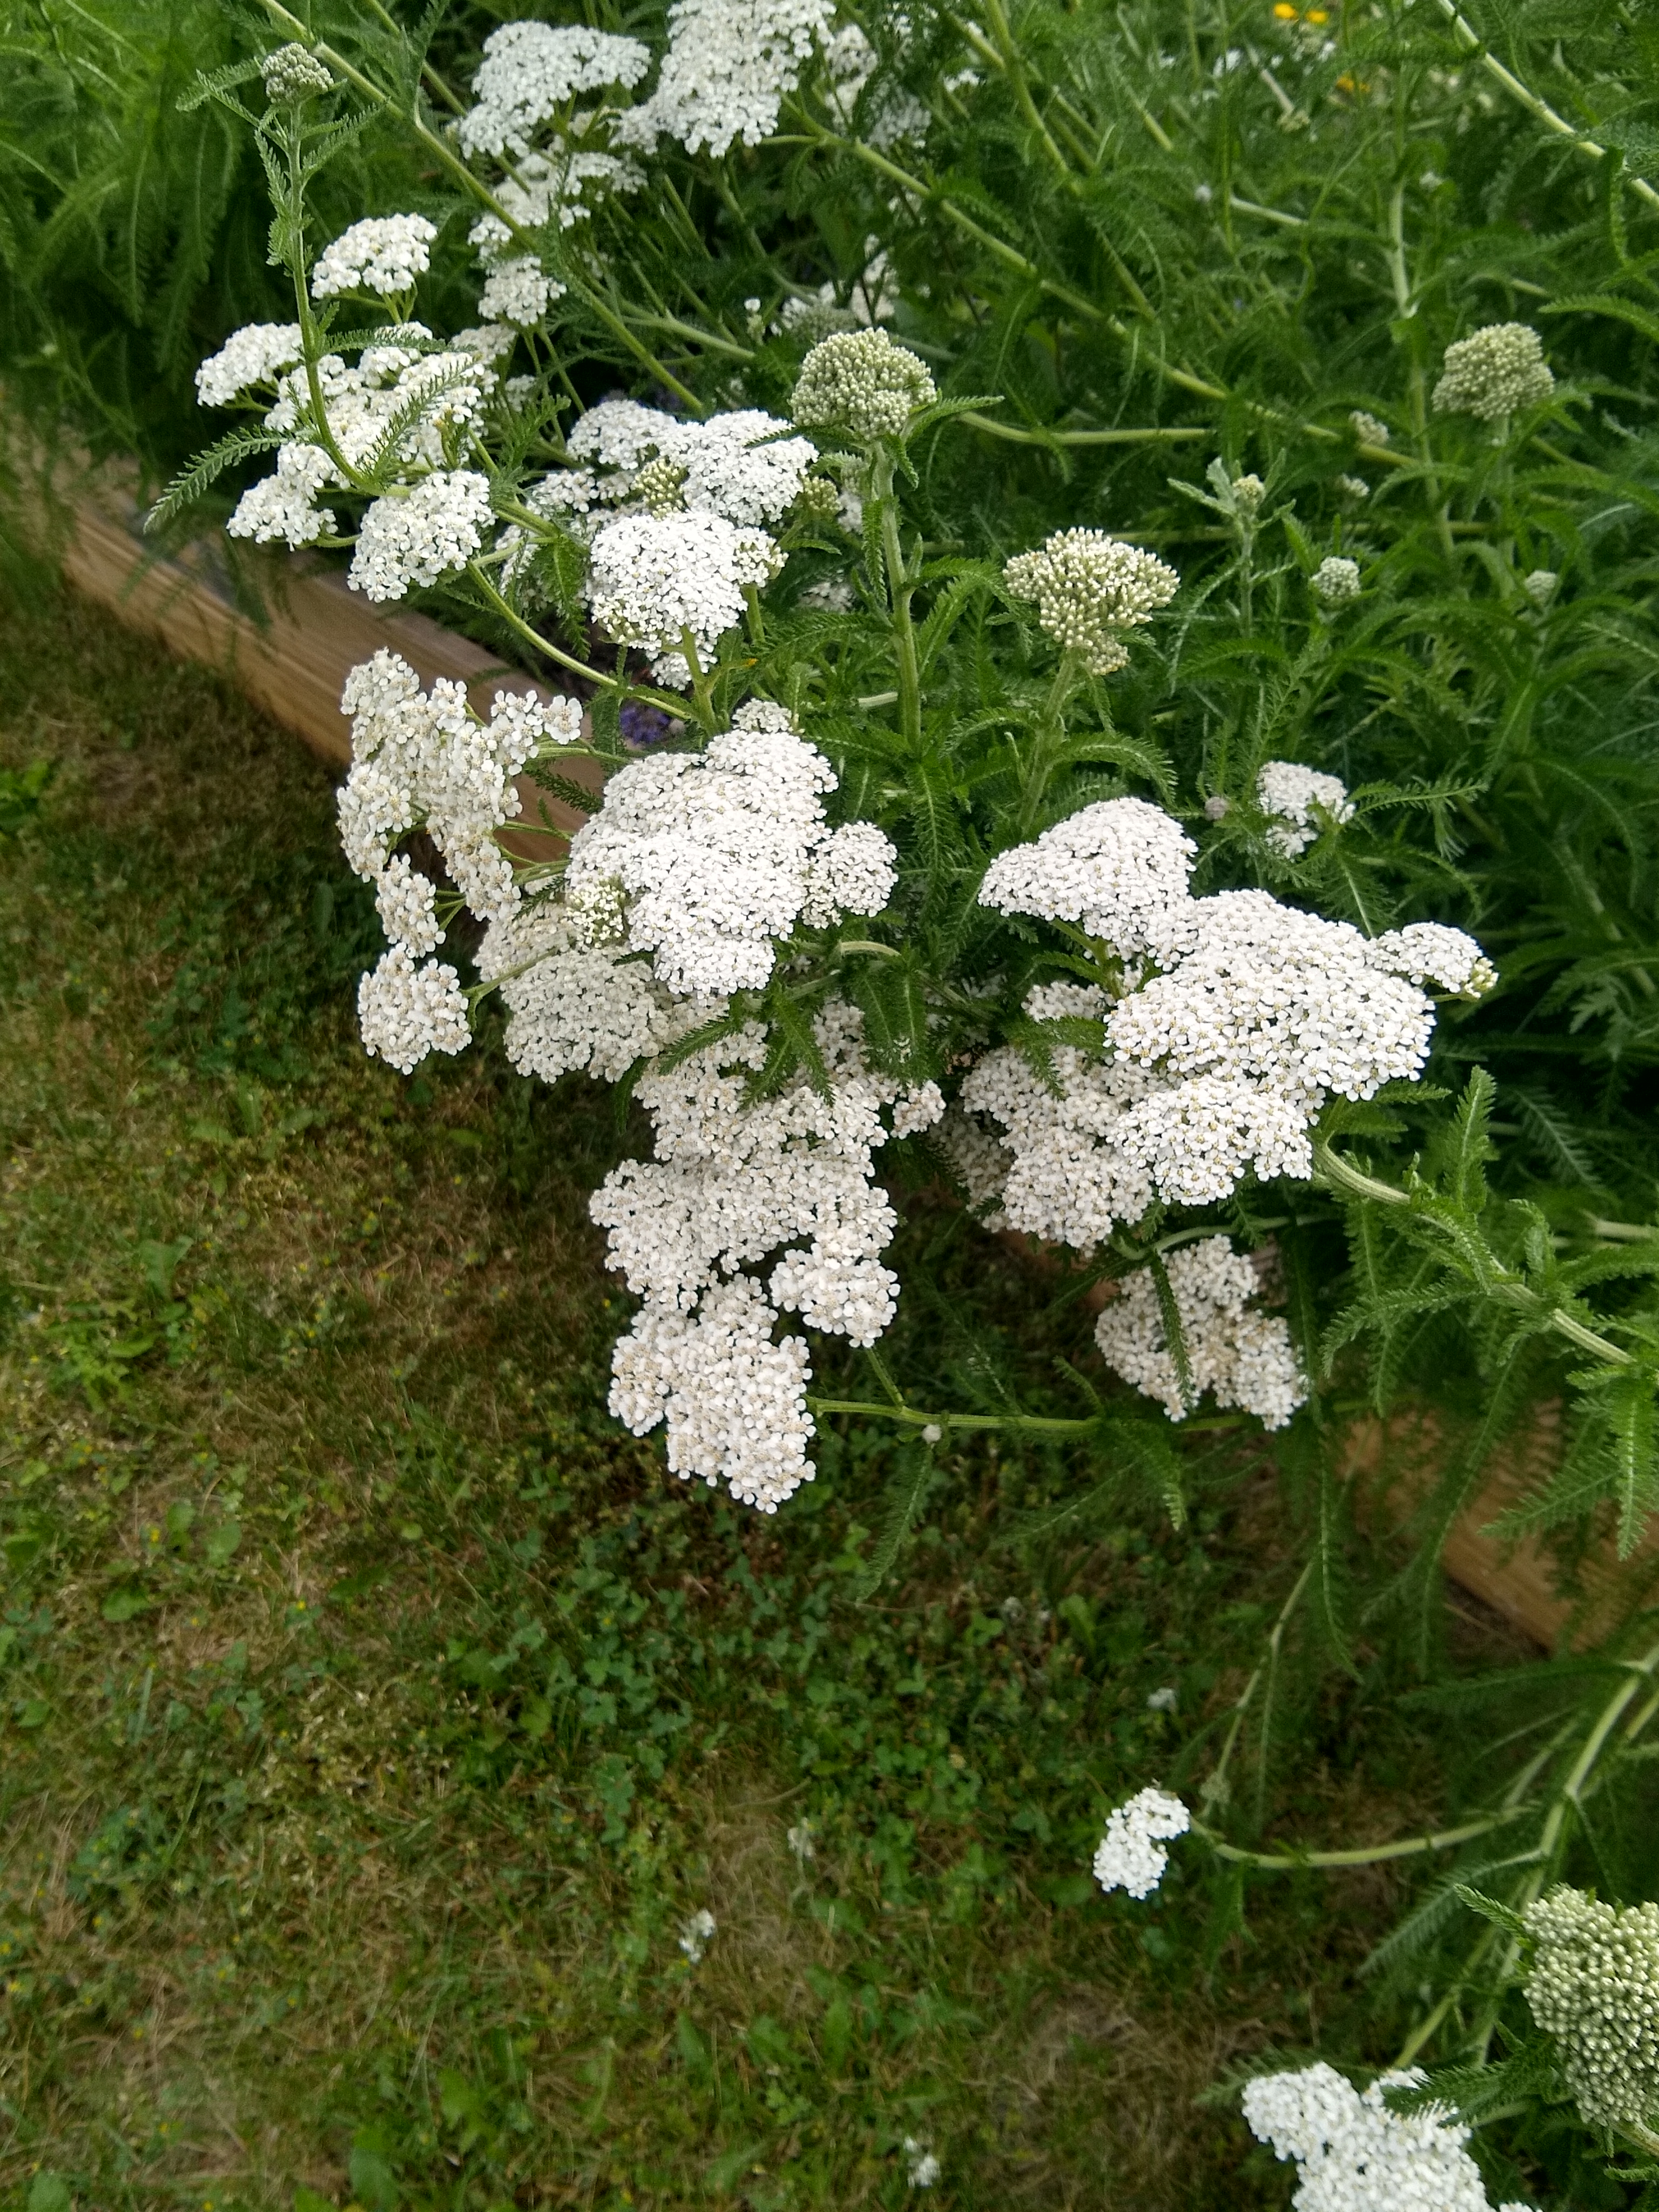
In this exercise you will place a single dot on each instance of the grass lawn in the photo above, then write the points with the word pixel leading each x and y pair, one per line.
pixel 375 1713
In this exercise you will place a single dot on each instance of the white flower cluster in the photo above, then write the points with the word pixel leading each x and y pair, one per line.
pixel 1130 1856
pixel 861 382
pixel 1538 584
pixel 418 536
pixel 384 254
pixel 738 465
pixel 1244 1358
pixel 1355 2155
pixel 733 1183
pixel 530 74
pixel 1335 581
pixel 1593 1984
pixel 717 853
pixel 1090 588
pixel 1270 996
pixel 1118 869
pixel 391 411
pixel 1215 1066
pixel 1498 370
pixel 257 354
pixel 426 759
pixel 653 579
pixel 281 509
pixel 1430 952
pixel 573 1005
pixel 729 65
pixel 405 1011
pixel 1291 793
pixel 1071 1181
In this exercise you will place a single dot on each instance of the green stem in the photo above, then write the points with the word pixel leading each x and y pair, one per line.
pixel 1177 435
pixel 533 637
pixel 1214 1789
pixel 1530 101
pixel 900 591
pixel 1361 1855
pixel 913 1417
pixel 1498 1283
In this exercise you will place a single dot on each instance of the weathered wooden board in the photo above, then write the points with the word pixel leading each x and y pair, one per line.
pixel 294 665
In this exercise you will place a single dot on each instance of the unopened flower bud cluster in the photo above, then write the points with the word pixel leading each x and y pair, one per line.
pixel 1593 1982
pixel 1496 372
pixel 1089 589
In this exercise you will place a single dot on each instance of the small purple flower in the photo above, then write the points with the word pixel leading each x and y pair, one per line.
pixel 644 725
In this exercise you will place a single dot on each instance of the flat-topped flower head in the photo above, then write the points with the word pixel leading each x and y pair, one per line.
pixel 654 577
pixel 1354 2155
pixel 1290 792
pixel 1430 952
pixel 1130 1856
pixel 406 1012
pixel 293 73
pixel 861 382
pixel 719 854
pixel 729 65
pixel 1119 869
pixel 436 527
pixel 1245 1358
pixel 1335 581
pixel 257 354
pixel 1496 372
pixel 1593 1984
pixel 1090 587
pixel 384 254
pixel 529 73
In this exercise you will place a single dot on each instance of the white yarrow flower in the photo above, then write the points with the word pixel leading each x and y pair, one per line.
pixel 420 535
pixel 1291 792
pixel 384 254
pixel 281 509
pixel 1119 869
pixel 654 577
pixel 407 1011
pixel 257 354
pixel 1244 1357
pixel 728 66
pixel 1130 1856
pixel 1354 2155
pixel 719 854
pixel 530 74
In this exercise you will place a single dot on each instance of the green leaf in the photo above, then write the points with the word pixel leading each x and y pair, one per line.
pixel 125 1605
pixel 222 1544
pixel 205 470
